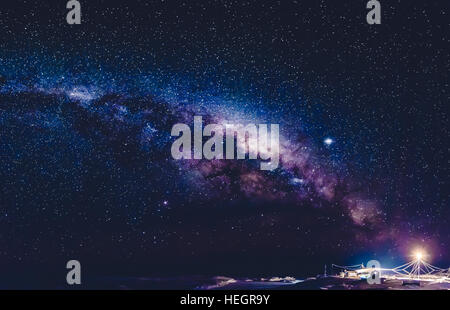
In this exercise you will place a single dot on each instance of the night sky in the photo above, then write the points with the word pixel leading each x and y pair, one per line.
pixel 86 113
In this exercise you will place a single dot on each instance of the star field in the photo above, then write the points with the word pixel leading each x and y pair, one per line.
pixel 86 113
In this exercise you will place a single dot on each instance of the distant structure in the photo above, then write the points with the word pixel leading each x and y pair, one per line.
pixel 412 272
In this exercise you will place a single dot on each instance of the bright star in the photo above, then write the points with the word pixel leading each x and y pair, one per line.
pixel 328 141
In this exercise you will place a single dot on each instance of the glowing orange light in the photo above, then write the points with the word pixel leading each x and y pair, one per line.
pixel 419 255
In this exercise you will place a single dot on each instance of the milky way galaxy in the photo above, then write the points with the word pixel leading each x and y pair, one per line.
pixel 86 115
